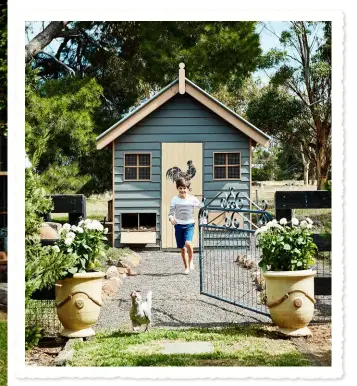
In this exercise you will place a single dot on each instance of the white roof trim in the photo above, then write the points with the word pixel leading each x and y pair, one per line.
pixel 167 93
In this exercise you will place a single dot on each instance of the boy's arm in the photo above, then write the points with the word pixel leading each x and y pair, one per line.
pixel 172 210
pixel 197 203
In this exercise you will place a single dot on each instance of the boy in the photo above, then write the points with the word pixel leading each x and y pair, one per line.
pixel 181 216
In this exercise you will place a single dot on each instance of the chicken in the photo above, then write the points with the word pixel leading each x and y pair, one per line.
pixel 140 311
pixel 175 172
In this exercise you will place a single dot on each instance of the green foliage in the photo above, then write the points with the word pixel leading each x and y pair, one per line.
pixel 284 118
pixel 60 129
pixel 3 352
pixel 286 248
pixel 36 204
pixel 265 168
pixel 32 336
pixel 43 266
pixel 327 185
pixel 276 113
pixel 238 99
pixel 65 179
pixel 83 244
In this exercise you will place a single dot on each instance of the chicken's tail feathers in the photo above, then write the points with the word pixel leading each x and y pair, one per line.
pixel 149 297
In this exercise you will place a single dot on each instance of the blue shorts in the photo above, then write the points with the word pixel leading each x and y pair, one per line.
pixel 183 233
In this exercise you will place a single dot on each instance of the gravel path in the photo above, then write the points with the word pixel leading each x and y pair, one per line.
pixel 177 302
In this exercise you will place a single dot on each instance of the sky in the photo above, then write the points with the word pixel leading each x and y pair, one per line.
pixel 268 40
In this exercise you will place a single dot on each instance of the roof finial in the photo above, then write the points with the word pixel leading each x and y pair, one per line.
pixel 182 78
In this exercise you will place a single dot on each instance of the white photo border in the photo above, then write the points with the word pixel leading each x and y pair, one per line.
pixel 18 14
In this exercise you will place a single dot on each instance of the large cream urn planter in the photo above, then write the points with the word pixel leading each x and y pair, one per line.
pixel 78 302
pixel 290 299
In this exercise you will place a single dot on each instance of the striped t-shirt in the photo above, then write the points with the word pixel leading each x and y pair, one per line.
pixel 183 209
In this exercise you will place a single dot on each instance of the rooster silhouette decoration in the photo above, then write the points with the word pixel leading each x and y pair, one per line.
pixel 176 173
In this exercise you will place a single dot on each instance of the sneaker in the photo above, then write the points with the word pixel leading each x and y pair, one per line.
pixel 187 271
pixel 192 267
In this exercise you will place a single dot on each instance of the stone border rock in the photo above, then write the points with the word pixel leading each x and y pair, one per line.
pixel 66 354
pixel 3 294
pixel 118 271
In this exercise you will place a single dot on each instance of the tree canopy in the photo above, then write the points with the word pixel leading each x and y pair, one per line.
pixel 128 61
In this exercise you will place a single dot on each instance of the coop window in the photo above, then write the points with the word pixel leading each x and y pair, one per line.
pixel 138 222
pixel 137 167
pixel 226 166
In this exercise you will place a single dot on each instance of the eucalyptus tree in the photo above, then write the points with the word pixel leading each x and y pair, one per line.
pixel 302 65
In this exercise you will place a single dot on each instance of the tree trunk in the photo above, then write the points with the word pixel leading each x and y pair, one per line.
pixel 313 175
pixel 43 39
pixel 306 164
pixel 323 163
pixel 306 173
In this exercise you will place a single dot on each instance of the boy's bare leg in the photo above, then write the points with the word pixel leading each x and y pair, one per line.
pixel 189 251
pixel 183 255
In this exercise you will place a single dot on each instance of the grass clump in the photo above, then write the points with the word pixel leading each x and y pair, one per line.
pixel 3 353
pixel 236 346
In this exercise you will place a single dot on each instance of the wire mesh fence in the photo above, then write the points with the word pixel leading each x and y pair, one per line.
pixel 323 305
pixel 230 272
pixel 229 268
pixel 43 313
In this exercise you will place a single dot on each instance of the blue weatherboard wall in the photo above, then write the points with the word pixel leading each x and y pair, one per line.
pixel 181 119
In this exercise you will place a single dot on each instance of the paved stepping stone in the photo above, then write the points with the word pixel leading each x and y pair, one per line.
pixel 187 348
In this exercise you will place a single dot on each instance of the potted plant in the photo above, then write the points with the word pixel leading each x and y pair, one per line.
pixel 288 253
pixel 78 294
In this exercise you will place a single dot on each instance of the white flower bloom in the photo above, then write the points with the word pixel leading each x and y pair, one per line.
pixel 303 224
pixel 274 221
pixel 98 226
pixel 309 221
pixel 287 247
pixel 73 228
pixel 81 223
pixel 69 250
pixel 68 241
pixel 263 229
pixel 80 230
pixel 294 221
pixel 106 231
pixel 87 221
pixel 283 221
pixel 60 231
pixel 309 226
pixel 66 227
pixel 71 235
pixel 55 248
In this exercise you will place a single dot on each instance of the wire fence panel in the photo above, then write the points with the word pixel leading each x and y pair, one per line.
pixel 229 258
pixel 43 313
pixel 229 267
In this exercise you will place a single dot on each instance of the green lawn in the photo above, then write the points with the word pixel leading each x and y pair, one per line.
pixel 3 353
pixel 235 346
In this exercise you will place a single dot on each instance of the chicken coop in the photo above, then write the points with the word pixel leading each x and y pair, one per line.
pixel 180 131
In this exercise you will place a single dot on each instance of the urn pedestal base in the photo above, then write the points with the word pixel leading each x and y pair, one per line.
pixel 86 332
pixel 305 331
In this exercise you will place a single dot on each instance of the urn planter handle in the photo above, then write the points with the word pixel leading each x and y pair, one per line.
pixel 298 304
pixel 61 303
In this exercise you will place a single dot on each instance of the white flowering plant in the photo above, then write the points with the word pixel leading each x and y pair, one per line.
pixel 286 246
pixel 86 242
